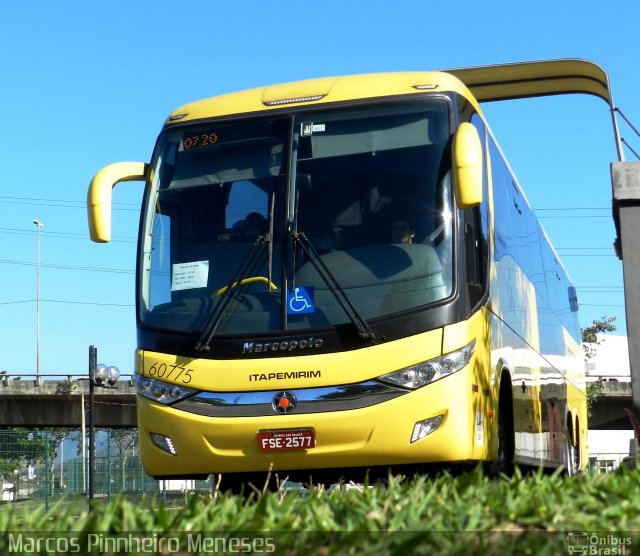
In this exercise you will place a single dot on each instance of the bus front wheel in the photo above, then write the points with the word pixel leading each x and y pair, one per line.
pixel 503 464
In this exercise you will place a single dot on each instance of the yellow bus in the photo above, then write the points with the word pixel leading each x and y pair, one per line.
pixel 343 274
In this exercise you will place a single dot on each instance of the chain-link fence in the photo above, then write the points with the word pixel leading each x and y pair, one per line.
pixel 46 464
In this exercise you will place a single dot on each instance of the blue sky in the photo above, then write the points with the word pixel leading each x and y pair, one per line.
pixel 85 84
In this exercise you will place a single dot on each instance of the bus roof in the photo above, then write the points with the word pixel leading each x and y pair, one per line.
pixel 322 90
pixel 486 84
pixel 541 78
pixel 530 79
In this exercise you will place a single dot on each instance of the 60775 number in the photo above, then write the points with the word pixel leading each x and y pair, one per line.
pixel 164 371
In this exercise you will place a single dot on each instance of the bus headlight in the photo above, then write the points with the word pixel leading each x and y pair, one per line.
pixel 429 371
pixel 160 391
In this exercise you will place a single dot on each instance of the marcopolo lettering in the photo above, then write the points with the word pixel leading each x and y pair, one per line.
pixel 286 345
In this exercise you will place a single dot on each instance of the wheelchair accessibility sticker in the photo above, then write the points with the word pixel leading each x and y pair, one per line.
pixel 300 301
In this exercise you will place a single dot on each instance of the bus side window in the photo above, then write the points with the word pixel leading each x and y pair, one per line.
pixel 475 257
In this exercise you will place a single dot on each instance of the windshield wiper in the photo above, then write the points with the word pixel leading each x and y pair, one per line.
pixel 228 292
pixel 362 327
pixel 240 278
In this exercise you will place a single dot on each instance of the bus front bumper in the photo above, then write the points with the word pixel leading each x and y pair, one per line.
pixel 381 434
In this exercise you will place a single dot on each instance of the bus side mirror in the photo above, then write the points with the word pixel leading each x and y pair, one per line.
pixel 467 166
pixel 99 196
pixel 573 299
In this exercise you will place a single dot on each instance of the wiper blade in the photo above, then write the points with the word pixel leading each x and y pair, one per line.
pixel 271 219
pixel 227 293
pixel 362 327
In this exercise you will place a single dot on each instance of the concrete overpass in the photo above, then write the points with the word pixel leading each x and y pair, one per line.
pixel 608 411
pixel 58 402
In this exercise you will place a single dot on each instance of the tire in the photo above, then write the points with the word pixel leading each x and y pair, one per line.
pixel 504 460
pixel 503 464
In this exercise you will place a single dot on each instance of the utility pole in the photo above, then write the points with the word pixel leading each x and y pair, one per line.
pixel 625 177
pixel 38 226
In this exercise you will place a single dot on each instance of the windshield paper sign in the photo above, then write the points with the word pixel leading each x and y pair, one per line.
pixel 186 276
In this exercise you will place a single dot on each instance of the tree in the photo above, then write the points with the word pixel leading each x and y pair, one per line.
pixel 17 447
pixel 127 441
pixel 590 334
pixel 589 345
pixel 28 446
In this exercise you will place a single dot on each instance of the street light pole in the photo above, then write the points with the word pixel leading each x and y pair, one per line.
pixel 38 226
pixel 101 376
pixel 93 352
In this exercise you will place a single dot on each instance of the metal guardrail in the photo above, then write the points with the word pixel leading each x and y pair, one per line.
pixel 608 378
pixel 6 378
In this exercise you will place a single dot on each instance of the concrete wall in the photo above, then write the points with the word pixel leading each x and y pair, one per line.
pixel 59 403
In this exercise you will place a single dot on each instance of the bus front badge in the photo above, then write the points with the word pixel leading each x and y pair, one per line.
pixel 284 402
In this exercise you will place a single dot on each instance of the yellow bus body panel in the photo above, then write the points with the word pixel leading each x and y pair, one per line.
pixel 375 435
pixel 254 373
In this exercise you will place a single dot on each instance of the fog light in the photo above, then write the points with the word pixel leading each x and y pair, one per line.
pixel 163 442
pixel 424 428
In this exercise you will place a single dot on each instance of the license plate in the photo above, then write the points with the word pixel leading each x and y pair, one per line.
pixel 286 439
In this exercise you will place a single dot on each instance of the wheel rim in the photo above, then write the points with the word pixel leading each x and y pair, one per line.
pixel 572 463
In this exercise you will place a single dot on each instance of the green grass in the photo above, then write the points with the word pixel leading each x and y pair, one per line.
pixel 465 514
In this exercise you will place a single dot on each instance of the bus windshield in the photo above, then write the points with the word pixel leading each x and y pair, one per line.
pixel 284 223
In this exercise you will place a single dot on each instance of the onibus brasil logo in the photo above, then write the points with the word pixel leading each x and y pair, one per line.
pixel 601 544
